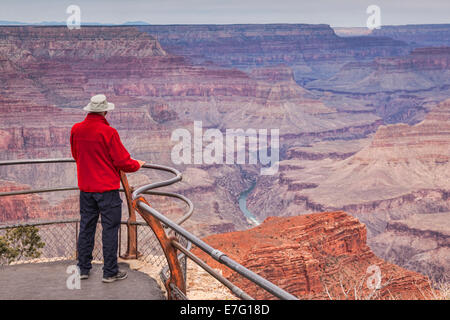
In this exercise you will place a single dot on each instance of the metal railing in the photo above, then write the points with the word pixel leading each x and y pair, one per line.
pixel 61 236
pixel 174 241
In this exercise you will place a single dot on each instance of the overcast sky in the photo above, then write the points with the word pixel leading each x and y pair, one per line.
pixel 337 13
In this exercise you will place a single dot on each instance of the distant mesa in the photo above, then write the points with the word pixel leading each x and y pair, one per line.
pixel 63 23
pixel 422 69
pixel 417 34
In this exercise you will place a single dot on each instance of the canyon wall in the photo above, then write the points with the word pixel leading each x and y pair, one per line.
pixel 32 207
pixel 420 242
pixel 399 160
pixel 403 170
pixel 328 95
pixel 51 72
pixel 424 35
pixel 313 51
pixel 315 256
pixel 422 69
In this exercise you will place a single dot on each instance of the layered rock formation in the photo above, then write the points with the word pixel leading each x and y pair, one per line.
pixel 31 206
pixel 139 73
pixel 46 80
pixel 400 159
pixel 419 35
pixel 315 256
pixel 403 170
pixel 400 89
pixel 48 74
pixel 424 35
pixel 422 69
pixel 311 50
pixel 420 242
pixel 61 42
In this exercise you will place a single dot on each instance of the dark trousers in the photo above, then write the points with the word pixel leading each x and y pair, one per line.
pixel 109 205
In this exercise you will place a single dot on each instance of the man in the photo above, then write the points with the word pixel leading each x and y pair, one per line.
pixel 99 154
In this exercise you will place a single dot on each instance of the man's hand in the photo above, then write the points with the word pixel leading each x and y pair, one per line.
pixel 141 163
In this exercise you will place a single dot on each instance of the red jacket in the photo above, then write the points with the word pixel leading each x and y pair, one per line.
pixel 99 154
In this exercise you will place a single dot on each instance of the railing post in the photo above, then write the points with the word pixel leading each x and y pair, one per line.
pixel 176 273
pixel 76 240
pixel 132 252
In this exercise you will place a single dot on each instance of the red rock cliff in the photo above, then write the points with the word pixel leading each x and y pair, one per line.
pixel 309 255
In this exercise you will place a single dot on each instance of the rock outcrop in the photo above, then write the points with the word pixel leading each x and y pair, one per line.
pixel 420 242
pixel 403 171
pixel 315 256
pixel 24 206
pixel 400 159
pixel 423 69
pixel 35 207
pixel 237 76
pixel 415 35
pixel 60 42
pixel 139 73
pixel 402 164
pixel 425 35
pixel 46 80
pixel 311 50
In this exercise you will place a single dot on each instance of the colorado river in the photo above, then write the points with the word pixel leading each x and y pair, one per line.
pixel 243 205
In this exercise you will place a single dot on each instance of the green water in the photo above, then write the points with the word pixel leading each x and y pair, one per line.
pixel 243 205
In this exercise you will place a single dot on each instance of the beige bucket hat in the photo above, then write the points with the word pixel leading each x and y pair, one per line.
pixel 99 104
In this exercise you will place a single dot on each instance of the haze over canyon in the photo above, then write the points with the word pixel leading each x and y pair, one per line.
pixel 364 137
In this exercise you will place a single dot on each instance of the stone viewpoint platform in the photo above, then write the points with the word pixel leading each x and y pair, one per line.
pixel 48 281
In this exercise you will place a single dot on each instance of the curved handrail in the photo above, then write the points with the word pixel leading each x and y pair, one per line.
pixel 149 189
pixel 139 204
pixel 159 184
pixel 219 256
pixel 146 189
pixel 216 254
pixel 165 242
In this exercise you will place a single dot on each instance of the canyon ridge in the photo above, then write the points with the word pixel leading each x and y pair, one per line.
pixel 363 121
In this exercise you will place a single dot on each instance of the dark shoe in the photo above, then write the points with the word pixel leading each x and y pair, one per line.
pixel 120 275
pixel 84 276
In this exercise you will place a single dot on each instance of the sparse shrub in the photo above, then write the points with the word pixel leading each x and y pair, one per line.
pixel 20 242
